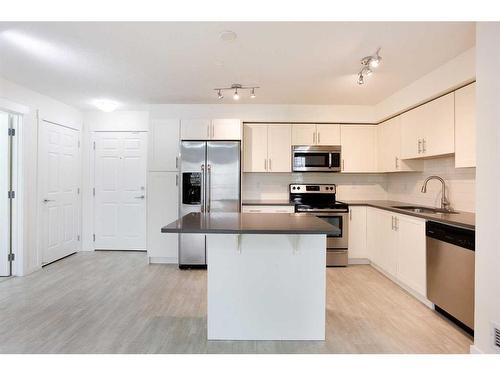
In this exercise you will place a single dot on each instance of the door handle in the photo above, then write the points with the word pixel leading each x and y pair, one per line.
pixel 265 164
pixel 343 167
pixel 419 146
pixel 350 214
pixel 209 171
pixel 140 197
pixel 392 222
pixel 423 146
pixel 202 200
pixel 176 162
pixel 396 162
pixel 270 168
pixel 314 138
pixel 48 200
pixel 319 137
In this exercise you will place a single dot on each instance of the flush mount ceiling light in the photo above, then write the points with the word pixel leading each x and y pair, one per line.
pixel 106 105
pixel 228 36
pixel 368 64
pixel 236 87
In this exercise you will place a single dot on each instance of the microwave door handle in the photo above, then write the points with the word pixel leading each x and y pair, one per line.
pixel 330 160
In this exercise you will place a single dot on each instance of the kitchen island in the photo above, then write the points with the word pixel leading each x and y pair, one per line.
pixel 266 274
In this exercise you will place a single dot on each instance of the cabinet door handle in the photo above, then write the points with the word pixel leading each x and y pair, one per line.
pixel 319 137
pixel 176 180
pixel 314 138
pixel 392 222
pixel 419 146
pixel 396 223
pixel 270 168
pixel 213 131
pixel 176 162
pixel 350 214
pixel 396 162
pixel 423 146
pixel 208 131
pixel 254 211
pixel 343 167
pixel 265 164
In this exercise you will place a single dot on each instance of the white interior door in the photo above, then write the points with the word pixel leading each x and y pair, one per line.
pixel 4 200
pixel 120 190
pixel 59 180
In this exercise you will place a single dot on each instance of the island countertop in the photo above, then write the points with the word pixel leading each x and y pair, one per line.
pixel 254 223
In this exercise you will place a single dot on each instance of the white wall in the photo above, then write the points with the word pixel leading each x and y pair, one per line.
pixel 51 110
pixel 487 290
pixel 453 74
pixel 94 121
pixel 266 112
pixel 460 185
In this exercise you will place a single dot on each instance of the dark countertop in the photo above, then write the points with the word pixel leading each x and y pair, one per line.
pixel 254 223
pixel 461 219
pixel 267 202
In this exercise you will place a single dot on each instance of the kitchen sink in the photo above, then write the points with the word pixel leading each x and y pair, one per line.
pixel 424 210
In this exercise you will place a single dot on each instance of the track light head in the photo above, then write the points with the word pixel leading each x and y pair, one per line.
pixel 252 94
pixel 220 94
pixel 361 79
pixel 236 96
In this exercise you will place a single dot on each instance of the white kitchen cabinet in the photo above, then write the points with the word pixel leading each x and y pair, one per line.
pixel 162 209
pixel 226 129
pixel 304 134
pixel 465 126
pixel 411 252
pixel 389 148
pixel 429 130
pixel 316 134
pixel 195 129
pixel 357 233
pixel 206 129
pixel 279 148
pixel 328 134
pixel 397 245
pixel 267 148
pixel 267 209
pixel 164 145
pixel 255 148
pixel 359 148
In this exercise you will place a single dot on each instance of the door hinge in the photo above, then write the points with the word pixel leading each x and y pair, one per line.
pixel 11 132
pixel 11 194
pixel 93 236
pixel 11 257
pixel 78 237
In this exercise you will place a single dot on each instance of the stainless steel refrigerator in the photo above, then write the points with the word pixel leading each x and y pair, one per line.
pixel 210 182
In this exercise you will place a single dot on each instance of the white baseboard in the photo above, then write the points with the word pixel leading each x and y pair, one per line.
pixel 475 350
pixel 359 261
pixel 162 260
pixel 413 292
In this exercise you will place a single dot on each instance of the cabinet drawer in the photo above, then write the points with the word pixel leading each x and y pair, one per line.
pixel 265 209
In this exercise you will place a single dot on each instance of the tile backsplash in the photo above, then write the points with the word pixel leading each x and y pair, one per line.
pixel 460 185
pixel 403 187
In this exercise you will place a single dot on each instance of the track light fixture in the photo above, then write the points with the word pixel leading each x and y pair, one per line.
pixel 236 87
pixel 368 63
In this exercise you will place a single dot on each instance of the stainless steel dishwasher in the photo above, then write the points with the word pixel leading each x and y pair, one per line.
pixel 450 272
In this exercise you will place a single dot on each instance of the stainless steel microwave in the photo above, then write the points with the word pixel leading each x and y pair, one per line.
pixel 316 158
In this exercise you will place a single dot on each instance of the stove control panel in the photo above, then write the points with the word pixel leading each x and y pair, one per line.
pixel 311 189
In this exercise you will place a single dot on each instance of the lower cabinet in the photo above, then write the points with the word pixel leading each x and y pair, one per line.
pixel 163 195
pixel 357 233
pixel 267 209
pixel 397 245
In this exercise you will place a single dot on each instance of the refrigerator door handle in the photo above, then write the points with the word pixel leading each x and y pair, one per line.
pixel 202 205
pixel 209 186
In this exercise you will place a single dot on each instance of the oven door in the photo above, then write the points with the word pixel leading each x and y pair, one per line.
pixel 311 161
pixel 341 221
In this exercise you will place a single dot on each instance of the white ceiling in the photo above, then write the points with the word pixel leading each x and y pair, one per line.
pixel 181 62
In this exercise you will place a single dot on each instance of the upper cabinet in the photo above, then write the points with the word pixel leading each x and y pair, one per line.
pixel 267 148
pixel 359 148
pixel 315 134
pixel 389 148
pixel 164 145
pixel 429 130
pixel 205 129
pixel 465 126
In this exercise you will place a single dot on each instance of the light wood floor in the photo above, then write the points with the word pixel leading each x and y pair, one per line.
pixel 113 302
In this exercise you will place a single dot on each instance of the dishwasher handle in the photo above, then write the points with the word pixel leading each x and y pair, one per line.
pixel 461 237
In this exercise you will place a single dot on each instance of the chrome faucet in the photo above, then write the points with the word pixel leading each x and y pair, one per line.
pixel 445 204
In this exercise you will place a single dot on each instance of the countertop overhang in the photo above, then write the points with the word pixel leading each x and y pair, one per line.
pixel 250 223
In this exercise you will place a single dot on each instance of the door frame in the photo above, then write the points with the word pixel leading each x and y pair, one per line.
pixel 91 180
pixel 17 185
pixel 39 204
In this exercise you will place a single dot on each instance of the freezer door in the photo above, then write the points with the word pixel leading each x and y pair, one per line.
pixel 192 169
pixel 223 177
